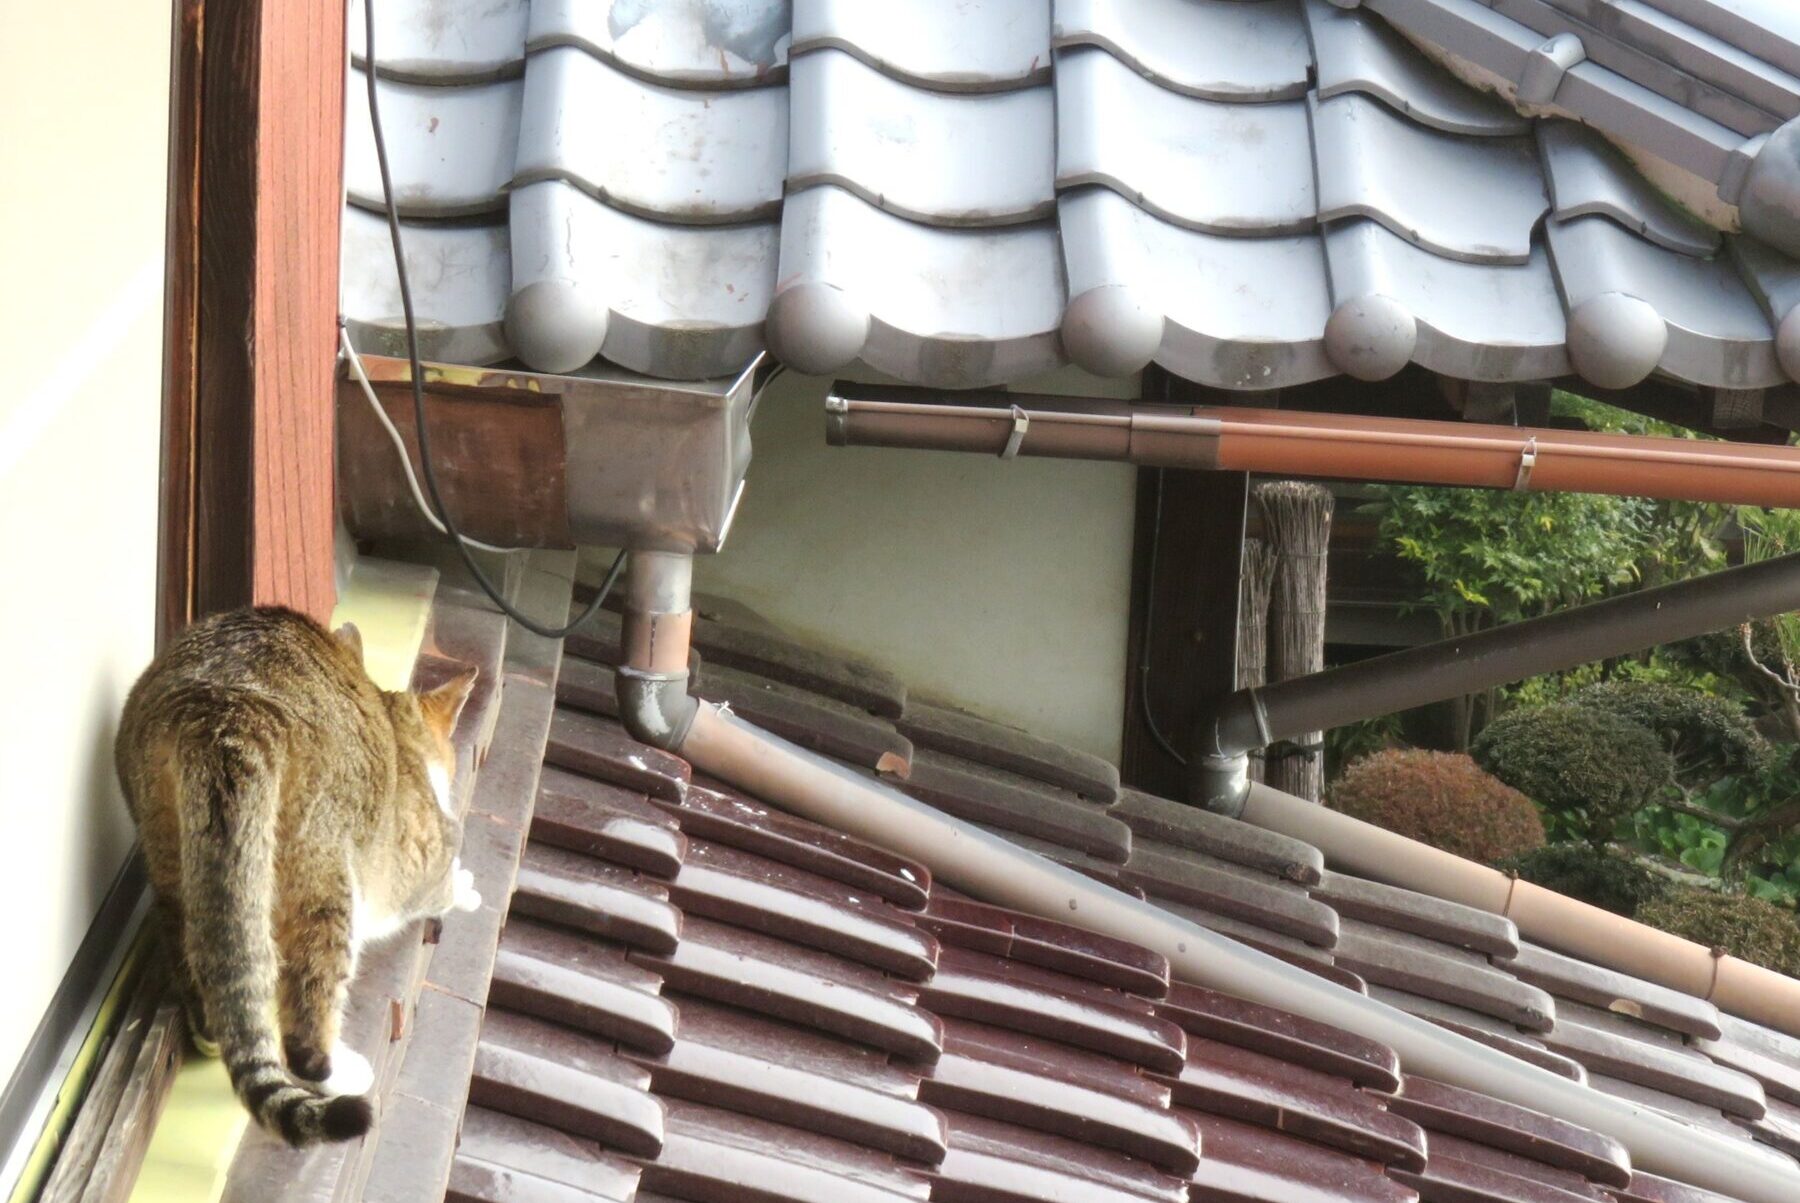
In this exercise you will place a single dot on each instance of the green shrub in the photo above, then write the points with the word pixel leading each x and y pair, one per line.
pixel 1708 736
pixel 1588 768
pixel 1756 931
pixel 1604 879
pixel 1442 799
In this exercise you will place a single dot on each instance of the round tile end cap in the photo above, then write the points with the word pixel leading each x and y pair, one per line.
pixel 556 325
pixel 1371 337
pixel 1615 340
pixel 1112 330
pixel 816 328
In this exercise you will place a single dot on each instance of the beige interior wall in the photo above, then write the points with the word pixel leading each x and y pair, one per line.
pixel 1002 586
pixel 83 176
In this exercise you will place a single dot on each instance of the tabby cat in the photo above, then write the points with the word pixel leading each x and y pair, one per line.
pixel 290 812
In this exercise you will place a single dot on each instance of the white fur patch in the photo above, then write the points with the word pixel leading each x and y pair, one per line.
pixel 467 898
pixel 440 786
pixel 351 1072
pixel 369 923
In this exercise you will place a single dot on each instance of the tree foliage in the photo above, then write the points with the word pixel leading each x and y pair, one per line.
pixel 1442 799
pixel 1587 768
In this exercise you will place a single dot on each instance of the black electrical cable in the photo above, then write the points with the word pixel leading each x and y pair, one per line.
pixel 417 376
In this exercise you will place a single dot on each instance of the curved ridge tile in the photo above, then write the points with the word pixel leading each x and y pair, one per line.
pixel 439 41
pixel 970 308
pixel 1767 28
pixel 1490 322
pixel 459 276
pixel 680 302
pixel 1465 198
pixel 450 150
pixel 1224 168
pixel 1774 279
pixel 1356 53
pixel 665 153
pixel 723 43
pixel 1216 49
pixel 930 156
pixel 1224 312
pixel 982 46
pixel 1717 333
pixel 1587 175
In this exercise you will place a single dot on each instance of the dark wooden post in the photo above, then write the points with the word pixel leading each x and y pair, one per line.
pixel 256 171
pixel 1184 606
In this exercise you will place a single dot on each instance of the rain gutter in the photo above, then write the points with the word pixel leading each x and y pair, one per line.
pixel 1329 446
pixel 989 867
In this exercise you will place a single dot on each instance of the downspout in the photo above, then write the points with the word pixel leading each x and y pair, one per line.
pixel 989 867
pixel 1255 718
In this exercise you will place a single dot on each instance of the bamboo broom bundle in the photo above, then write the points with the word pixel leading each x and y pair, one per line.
pixel 1297 524
pixel 1255 579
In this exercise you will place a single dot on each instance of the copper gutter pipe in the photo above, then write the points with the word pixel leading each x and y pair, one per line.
pixel 1329 446
pixel 992 868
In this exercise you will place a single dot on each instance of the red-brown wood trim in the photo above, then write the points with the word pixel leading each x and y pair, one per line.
pixel 270 172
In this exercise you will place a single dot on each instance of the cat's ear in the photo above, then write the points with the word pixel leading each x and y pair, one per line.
pixel 442 704
pixel 351 638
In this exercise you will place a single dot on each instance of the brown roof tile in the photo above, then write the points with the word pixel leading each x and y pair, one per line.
pixel 600 748
pixel 781 659
pixel 1215 835
pixel 1648 1188
pixel 1517 1166
pixel 959 733
pixel 1240 1084
pixel 985 795
pixel 1247 1163
pixel 1454 1112
pixel 584 815
pixel 533 1154
pixel 1449 1179
pixel 811 720
pixel 1228 1020
pixel 1419 914
pixel 545 1072
pixel 606 900
pixel 1433 970
pixel 559 975
pixel 990 1160
pixel 1567 977
pixel 1051 945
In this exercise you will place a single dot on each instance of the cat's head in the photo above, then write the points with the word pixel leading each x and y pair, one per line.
pixel 423 724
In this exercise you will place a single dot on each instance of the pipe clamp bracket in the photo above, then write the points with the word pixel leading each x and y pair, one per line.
pixel 1527 461
pixel 1021 422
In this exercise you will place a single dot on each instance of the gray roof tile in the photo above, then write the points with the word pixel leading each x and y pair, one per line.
pixel 1390 958
pixel 459 276
pixel 1252 193
pixel 1676 1071
pixel 1420 914
pixel 1770 1057
pixel 953 159
pixel 1615 992
pixel 673 154
pixel 1769 28
pixel 723 43
pixel 1219 49
pixel 996 43
pixel 1191 827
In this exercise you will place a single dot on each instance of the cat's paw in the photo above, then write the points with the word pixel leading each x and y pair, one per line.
pixel 205 1047
pixel 350 1072
pixel 467 897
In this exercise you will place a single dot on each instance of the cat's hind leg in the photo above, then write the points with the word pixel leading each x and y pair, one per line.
pixel 317 962
pixel 172 927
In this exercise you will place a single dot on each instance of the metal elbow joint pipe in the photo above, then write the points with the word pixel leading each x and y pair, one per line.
pixel 652 678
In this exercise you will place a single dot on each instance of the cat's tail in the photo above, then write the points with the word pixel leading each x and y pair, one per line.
pixel 228 818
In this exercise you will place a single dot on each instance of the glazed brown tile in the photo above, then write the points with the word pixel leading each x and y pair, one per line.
pixel 1449 1180
pixel 462 962
pixel 607 821
pixel 416 1143
pixel 759 973
pixel 959 733
pixel 1199 830
pixel 715 1156
pixel 1511 1163
pixel 1050 945
pixel 1248 1163
pixel 473 1181
pixel 1420 914
pixel 986 1158
pixel 1648 1188
pixel 1483 1029
pixel 813 721
pixel 751 1066
pixel 1244 1085
pixel 1389 958
pixel 1003 993
pixel 769 655
pixel 588 687
pixel 560 976
pixel 736 887
pixel 1227 1020
pixel 565 1080
pixel 1530 1134
pixel 1202 881
pixel 441 1049
pixel 1566 977
pixel 1676 1071
pixel 715 811
pixel 495 1139
pixel 1005 800
pixel 507 782
pixel 600 748
pixel 580 892
pixel 1056 1090
pixel 1770 1057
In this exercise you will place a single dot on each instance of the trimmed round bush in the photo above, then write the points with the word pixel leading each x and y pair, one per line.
pixel 1589 767
pixel 1748 928
pixel 1709 736
pixel 1595 876
pixel 1442 799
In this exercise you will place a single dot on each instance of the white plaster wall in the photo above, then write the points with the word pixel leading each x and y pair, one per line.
pixel 1001 586
pixel 83 176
